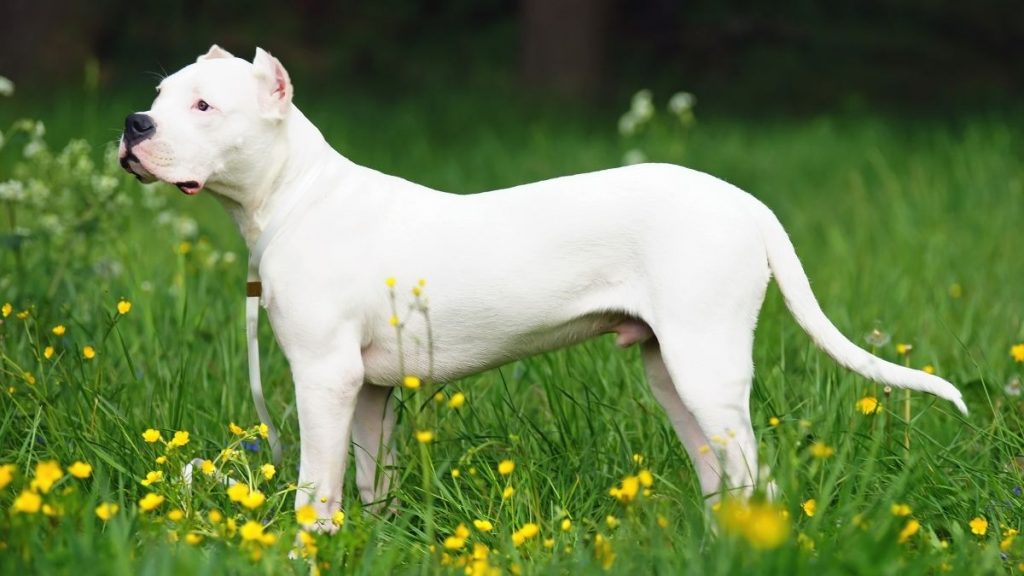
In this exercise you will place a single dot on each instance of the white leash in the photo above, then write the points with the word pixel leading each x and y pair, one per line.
pixel 253 295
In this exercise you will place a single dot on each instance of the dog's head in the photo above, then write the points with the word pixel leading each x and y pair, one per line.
pixel 213 123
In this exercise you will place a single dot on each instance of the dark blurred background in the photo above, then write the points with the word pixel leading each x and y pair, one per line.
pixel 749 56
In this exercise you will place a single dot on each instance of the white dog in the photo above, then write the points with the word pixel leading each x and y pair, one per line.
pixel 663 256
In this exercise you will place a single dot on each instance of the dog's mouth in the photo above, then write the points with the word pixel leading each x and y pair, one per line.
pixel 131 163
pixel 190 187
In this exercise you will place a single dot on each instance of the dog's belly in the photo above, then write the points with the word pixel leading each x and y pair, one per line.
pixel 449 362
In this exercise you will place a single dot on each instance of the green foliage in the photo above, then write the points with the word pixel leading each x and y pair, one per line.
pixel 905 228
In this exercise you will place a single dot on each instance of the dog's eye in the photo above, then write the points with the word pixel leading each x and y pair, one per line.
pixel 202 106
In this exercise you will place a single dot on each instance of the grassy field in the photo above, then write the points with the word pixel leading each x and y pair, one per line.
pixel 906 227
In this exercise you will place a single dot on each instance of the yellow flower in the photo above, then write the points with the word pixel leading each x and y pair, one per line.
pixel 238 492
pixel 124 307
pixel 603 551
pixel 1008 537
pixel 338 518
pixel 900 510
pixel 646 478
pixel 763 525
pixel 424 436
pixel 180 439
pixel 207 467
pixel 21 315
pixel 979 526
pixel 928 369
pixel 89 352
pixel 805 542
pixel 393 320
pixel 251 530
pixel 638 458
pixel 184 248
pixel 611 521
pixel 6 309
pixel 454 543
pixel 483 525
pixel 566 525
pixel 390 281
pixel 151 435
pixel 48 352
pixel 29 378
pixel 193 538
pixel 1017 351
pixel 662 521
pixel 254 499
pixel 507 492
pixel 809 507
pixel 268 471
pixel 231 526
pixel 909 530
pixel 456 473
pixel 47 473
pixel 904 349
pixel 704 449
pixel 215 516
pixel 150 501
pixel 264 430
pixel 106 510
pixel 528 531
pixel 505 467
pixel 627 491
pixel 59 330
pixel 306 515
pixel 152 477
pixel 868 405
pixel 28 502
pixel 458 400
pixel 80 470
pixel 411 382
pixel 416 291
pixel 227 454
pixel 774 421
pixel 821 450
pixel 6 474
pixel 236 429
pixel 175 515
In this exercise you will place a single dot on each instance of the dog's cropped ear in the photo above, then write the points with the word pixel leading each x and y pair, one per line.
pixel 273 84
pixel 214 52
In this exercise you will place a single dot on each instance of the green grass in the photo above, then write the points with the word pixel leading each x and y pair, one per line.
pixel 887 217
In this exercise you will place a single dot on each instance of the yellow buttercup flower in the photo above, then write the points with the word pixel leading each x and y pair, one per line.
pixel 306 515
pixel 566 525
pixel 646 478
pixel 59 330
pixel 264 430
pixel 809 507
pixel 458 400
pixel 150 502
pixel 763 525
pixel 338 518
pixel 175 515
pixel 236 429
pixel 6 309
pixel 152 477
pixel 505 467
pixel 821 450
pixel 27 502
pixel 424 436
pixel 909 530
pixel 928 369
pixel 124 307
pixel 1017 352
pixel 662 521
pixel 774 421
pixel 80 470
pixel 251 530
pixel 21 315
pixel 979 526
pixel 48 352
pixel 89 352
pixel 268 471
pixel 390 281
pixel 238 492
pixel 254 499
pixel 30 378
pixel 507 492
pixel 604 552
pixel 193 538
pixel 393 320
pixel 47 473
pixel 868 405
pixel 483 525
pixel 151 435
pixel 900 510
pixel 904 349
pixel 207 467
pixel 411 382
pixel 181 438
pixel 6 474
pixel 106 510
pixel 626 491
pixel 528 531
pixel 215 516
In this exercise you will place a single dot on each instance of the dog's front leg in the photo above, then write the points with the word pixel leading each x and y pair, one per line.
pixel 326 391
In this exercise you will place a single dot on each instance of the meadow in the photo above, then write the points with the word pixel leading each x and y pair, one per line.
pixel 122 330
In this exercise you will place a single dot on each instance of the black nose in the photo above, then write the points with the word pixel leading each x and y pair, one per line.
pixel 137 127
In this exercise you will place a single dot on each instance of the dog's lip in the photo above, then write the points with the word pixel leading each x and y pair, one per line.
pixel 190 187
pixel 126 164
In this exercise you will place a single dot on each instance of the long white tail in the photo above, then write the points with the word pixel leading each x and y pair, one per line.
pixel 800 300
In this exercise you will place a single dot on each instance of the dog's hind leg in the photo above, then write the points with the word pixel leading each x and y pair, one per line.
pixel 371 441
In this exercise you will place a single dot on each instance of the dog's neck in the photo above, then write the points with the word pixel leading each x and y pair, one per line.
pixel 292 160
